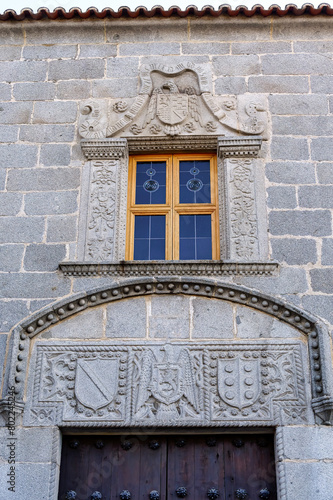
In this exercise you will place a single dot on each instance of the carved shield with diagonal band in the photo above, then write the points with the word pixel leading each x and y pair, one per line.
pixel 96 382
pixel 239 381
pixel 172 108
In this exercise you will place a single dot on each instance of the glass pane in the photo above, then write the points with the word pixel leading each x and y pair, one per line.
pixel 194 181
pixel 150 182
pixel 195 237
pixel 149 237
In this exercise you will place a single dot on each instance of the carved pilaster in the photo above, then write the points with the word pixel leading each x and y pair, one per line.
pixel 238 197
pixel 103 201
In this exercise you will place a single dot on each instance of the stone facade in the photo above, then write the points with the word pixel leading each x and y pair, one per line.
pixel 83 332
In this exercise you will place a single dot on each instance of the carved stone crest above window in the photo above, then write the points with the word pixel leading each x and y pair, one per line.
pixel 175 111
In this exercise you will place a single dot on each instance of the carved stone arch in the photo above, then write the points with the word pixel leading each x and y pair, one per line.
pixel 315 331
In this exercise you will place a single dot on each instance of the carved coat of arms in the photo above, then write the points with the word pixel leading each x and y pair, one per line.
pixel 239 381
pixel 96 382
pixel 166 389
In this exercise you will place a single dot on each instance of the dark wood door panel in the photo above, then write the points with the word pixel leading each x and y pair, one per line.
pixel 141 464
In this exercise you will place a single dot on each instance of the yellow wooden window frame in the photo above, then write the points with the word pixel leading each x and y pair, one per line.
pixel 172 209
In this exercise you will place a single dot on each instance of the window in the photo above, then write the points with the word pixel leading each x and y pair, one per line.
pixel 172 208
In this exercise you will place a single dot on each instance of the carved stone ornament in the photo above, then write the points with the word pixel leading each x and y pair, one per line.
pixel 172 101
pixel 163 384
pixel 220 384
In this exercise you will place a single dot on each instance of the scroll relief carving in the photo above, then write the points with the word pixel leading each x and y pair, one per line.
pixel 172 101
pixel 243 217
pixel 102 205
pixel 154 385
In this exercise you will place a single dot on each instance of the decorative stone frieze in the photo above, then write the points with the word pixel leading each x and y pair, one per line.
pixel 171 268
pixel 168 384
pixel 103 203
pixel 151 144
pixel 240 198
pixel 318 339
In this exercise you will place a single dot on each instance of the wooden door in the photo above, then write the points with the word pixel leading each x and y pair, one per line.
pixel 165 467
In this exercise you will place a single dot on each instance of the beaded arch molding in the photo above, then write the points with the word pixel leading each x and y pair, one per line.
pixel 316 332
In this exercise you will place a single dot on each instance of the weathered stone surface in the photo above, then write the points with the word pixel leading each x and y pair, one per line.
pixel 147 49
pixel 291 281
pixel 322 305
pixel 3 342
pixel 21 229
pixel 215 48
pixel 203 327
pixel 15 112
pixel 61 228
pixel 126 319
pixel 83 326
pixel 294 251
pixel 73 89
pixel 68 33
pixel 123 68
pixel 290 104
pixel 296 64
pixel 251 324
pixel 43 257
pixel 51 203
pixel 260 47
pixel 313 47
pixel 281 197
pixel 279 84
pixel 291 172
pixel 11 257
pixel 301 223
pixel 55 154
pixel 43 179
pixel 289 148
pixel 169 317
pixel 8 133
pixel 325 173
pixel 18 155
pixel 147 30
pixel 230 85
pixel 33 285
pixel 308 443
pixel 10 203
pixel 322 280
pixel 47 133
pixel 103 50
pixel 55 112
pixel 208 28
pixel 34 91
pixel 23 71
pixel 309 480
pixel 12 35
pixel 32 480
pixel 73 70
pixel 322 84
pixel 117 87
pixel 10 53
pixel 316 196
pixel 236 65
pixel 29 441
pixel 322 149
pixel 11 312
pixel 294 125
pixel 49 51
pixel 5 92
pixel 327 252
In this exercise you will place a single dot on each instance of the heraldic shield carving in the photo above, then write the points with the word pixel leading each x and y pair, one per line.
pixel 96 382
pixel 174 384
pixel 239 381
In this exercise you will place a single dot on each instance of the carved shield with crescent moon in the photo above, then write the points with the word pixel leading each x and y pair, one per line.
pixel 239 381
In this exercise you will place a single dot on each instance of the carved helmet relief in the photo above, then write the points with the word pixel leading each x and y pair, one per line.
pixel 172 101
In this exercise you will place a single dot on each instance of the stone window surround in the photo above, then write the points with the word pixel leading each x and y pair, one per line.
pixel 242 214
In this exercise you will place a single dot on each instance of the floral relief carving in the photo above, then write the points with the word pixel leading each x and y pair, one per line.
pixel 101 222
pixel 243 219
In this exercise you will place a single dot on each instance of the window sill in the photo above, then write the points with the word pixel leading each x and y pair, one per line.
pixel 167 268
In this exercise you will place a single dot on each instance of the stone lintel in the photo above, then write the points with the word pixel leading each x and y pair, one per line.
pixel 231 147
pixel 171 268
pixel 172 143
pixel 104 149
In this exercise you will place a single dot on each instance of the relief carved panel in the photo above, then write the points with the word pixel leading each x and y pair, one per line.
pixel 170 384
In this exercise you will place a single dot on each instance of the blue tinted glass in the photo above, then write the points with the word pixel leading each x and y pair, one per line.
pixel 150 183
pixel 194 181
pixel 195 237
pixel 149 237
